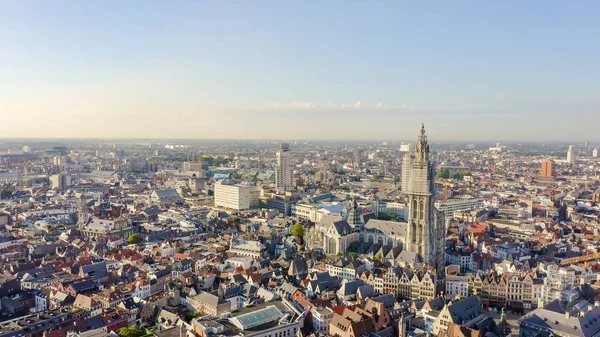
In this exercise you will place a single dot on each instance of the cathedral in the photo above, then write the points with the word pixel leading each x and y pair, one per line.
pixel 418 242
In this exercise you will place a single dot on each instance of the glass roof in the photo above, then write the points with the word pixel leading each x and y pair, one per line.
pixel 256 318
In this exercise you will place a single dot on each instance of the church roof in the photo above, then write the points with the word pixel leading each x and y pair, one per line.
pixel 342 227
pixel 355 214
pixel 392 228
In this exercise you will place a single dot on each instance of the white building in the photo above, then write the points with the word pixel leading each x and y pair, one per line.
pixel 236 197
pixel 571 156
pixel 457 286
pixel 321 318
pixel 595 153
pixel 406 160
pixel 60 181
pixel 253 249
pixel 315 212
pixel 450 206
pixel 283 171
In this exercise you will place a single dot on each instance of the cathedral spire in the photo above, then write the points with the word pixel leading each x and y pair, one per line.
pixel 422 146
pixel 354 215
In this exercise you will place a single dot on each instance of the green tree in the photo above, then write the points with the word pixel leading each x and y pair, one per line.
pixel 378 258
pixel 208 160
pixel 457 176
pixel 353 255
pixel 467 173
pixel 237 176
pixel 191 315
pixel 444 173
pixel 133 331
pixel 134 239
pixel 5 193
pixel 298 230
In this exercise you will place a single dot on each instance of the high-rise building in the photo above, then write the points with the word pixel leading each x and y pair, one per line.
pixel 426 229
pixel 236 197
pixel 595 153
pixel 406 162
pixel 571 155
pixel 404 147
pixel 547 168
pixel 60 181
pixel 283 173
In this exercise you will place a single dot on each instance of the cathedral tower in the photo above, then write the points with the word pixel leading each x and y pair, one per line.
pixel 426 230
pixel 355 215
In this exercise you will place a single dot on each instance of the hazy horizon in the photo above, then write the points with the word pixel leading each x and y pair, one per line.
pixel 471 71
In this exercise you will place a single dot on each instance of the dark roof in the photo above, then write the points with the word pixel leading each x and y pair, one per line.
pixel 465 310
pixel 342 227
pixel 95 270
pixel 91 323
pixel 83 286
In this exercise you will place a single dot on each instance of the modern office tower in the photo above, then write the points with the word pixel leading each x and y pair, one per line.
pixel 426 229
pixel 60 181
pixel 283 173
pixel 406 161
pixel 404 147
pixel 571 155
pixel 595 153
pixel 547 168
pixel 235 197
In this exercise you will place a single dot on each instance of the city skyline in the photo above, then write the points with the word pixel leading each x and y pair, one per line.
pixel 471 72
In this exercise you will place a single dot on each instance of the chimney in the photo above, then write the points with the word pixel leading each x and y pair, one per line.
pixel 567 315
pixel 590 308
pixel 597 304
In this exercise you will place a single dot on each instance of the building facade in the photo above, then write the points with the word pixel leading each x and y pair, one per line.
pixel 283 172
pixel 547 168
pixel 426 229
pixel 235 197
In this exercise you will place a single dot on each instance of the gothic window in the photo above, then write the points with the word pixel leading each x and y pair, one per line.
pixel 422 209
pixel 332 246
pixel 414 208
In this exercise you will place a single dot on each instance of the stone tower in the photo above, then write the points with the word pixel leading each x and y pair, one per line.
pixel 83 216
pixel 426 231
pixel 355 215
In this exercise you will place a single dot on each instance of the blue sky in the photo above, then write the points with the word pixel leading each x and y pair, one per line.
pixel 480 70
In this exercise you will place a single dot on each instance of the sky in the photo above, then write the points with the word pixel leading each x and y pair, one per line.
pixel 470 70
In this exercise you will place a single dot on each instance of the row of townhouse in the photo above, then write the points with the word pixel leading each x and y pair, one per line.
pixel 404 283
pixel 346 268
pixel 518 290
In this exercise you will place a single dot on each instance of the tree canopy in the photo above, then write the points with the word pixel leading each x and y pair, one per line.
pixel 133 331
pixel 444 173
pixel 298 230
pixel 5 193
pixel 134 238
pixel 191 315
